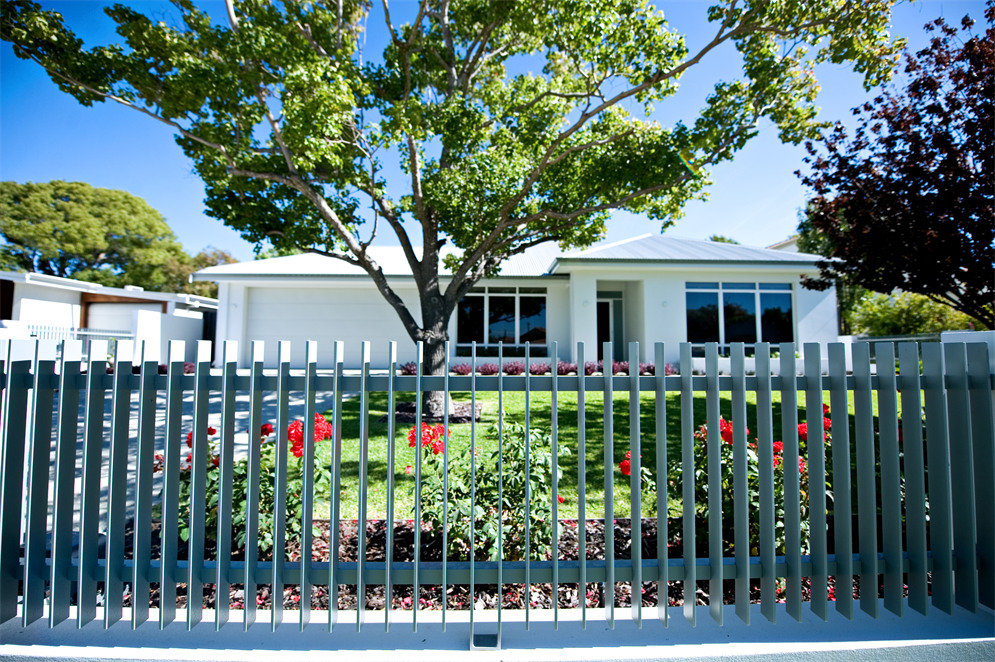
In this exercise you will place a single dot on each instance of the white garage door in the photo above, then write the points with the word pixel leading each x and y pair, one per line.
pixel 326 315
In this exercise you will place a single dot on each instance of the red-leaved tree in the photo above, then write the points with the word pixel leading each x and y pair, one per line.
pixel 906 202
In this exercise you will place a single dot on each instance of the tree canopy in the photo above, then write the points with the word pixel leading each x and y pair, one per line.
pixel 514 123
pixel 74 230
pixel 907 201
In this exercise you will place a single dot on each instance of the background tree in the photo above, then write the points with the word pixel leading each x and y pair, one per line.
pixel 178 271
pixel 290 123
pixel 722 239
pixel 73 230
pixel 905 313
pixel 906 203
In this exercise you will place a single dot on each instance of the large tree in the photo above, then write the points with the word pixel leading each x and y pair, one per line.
pixel 907 201
pixel 514 123
pixel 74 230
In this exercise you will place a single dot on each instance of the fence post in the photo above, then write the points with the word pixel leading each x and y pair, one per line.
pixel 983 432
pixel 15 402
pixel 662 505
pixel 64 496
pixel 117 505
pixel 93 441
pixel 143 486
pixel 226 479
pixel 961 477
pixel 39 463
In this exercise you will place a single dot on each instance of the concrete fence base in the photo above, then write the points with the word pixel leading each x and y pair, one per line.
pixel 961 636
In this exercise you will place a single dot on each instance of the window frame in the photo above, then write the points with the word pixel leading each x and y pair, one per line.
pixel 758 289
pixel 488 291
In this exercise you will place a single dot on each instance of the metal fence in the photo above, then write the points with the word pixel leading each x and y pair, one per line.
pixel 910 516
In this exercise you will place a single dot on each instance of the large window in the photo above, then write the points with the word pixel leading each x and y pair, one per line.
pixel 739 312
pixel 510 315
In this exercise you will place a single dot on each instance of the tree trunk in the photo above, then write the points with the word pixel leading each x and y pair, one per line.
pixel 434 402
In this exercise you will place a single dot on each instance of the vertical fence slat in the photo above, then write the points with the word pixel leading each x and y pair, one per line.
pixel 581 485
pixel 63 499
pixel 609 484
pixel 278 581
pixel 714 462
pixel 307 480
pixel 39 462
pixel 816 447
pixel 741 502
pixel 364 455
pixel 250 585
pixel 689 540
pixel 528 495
pixel 145 461
pixel 500 471
pixel 93 441
pixel 171 484
pixel 555 447
pixel 117 506
pixel 662 475
pixel 15 401
pixel 891 480
pixel 445 487
pixel 635 487
pixel 938 476
pixel 915 485
pixel 226 460
pixel 198 486
pixel 473 487
pixel 335 502
pixel 842 489
pixel 392 486
pixel 961 477
pixel 983 433
pixel 866 488
pixel 416 583
pixel 792 491
pixel 765 459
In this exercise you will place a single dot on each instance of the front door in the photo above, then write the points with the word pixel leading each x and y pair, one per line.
pixel 606 313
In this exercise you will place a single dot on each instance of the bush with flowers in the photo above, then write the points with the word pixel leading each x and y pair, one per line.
pixel 675 482
pixel 512 506
pixel 267 476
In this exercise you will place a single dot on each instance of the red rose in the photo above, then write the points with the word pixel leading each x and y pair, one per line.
pixel 560 498
pixel 295 432
pixel 215 460
pixel 803 431
pixel 190 439
pixel 211 430
pixel 266 430
pixel 625 466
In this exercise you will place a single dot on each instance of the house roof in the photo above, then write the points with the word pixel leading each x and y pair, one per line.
pixel 126 292
pixel 541 260
pixel 659 248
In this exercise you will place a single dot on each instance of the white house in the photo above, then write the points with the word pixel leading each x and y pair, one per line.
pixel 49 307
pixel 649 288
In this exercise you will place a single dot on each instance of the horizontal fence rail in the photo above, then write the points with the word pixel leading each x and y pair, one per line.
pixel 297 494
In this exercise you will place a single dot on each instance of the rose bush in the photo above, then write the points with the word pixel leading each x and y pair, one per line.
pixel 488 510
pixel 267 477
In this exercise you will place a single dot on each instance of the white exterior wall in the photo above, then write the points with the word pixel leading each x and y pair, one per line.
pixel 816 317
pixel 352 312
pixel 34 304
pixel 117 316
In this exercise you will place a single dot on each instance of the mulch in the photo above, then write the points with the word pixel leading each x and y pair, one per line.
pixel 458 597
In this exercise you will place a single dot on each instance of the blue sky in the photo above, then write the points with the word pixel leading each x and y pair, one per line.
pixel 46 135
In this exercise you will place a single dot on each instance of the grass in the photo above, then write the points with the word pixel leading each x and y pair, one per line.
pixel 541 414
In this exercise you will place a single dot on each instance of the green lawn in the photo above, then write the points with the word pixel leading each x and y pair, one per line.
pixel 486 442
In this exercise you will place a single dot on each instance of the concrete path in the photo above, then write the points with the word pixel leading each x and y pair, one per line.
pixel 962 636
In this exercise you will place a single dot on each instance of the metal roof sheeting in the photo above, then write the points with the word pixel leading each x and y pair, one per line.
pixel 541 260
